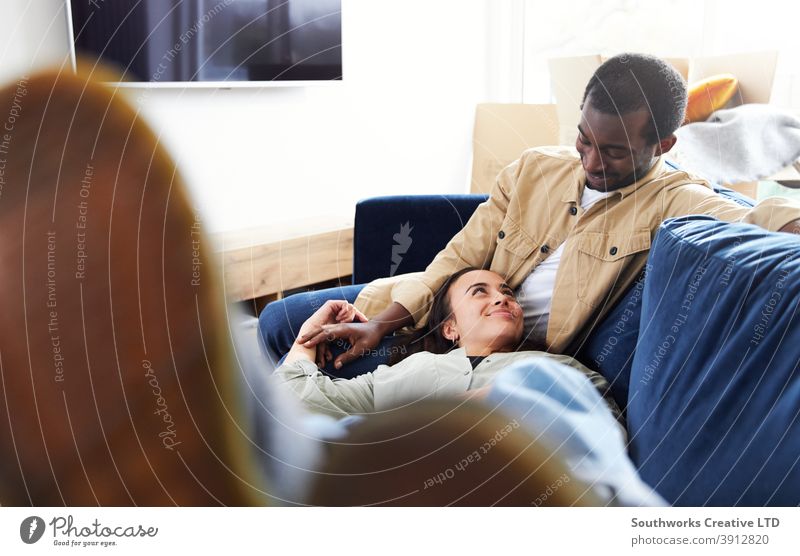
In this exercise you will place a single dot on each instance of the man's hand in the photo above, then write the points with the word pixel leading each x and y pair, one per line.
pixel 332 312
pixel 362 336
pixel 792 227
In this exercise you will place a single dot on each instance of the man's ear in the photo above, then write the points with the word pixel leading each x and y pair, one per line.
pixel 666 144
pixel 449 330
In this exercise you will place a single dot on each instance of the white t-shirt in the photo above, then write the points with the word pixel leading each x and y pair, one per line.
pixel 535 294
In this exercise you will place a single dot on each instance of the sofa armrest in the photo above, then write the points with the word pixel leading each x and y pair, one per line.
pixel 403 233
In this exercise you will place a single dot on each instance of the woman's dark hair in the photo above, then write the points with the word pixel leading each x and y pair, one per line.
pixel 430 337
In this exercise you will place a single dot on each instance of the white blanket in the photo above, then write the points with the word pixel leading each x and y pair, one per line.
pixel 741 144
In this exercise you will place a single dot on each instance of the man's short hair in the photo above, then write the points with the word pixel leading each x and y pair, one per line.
pixel 629 82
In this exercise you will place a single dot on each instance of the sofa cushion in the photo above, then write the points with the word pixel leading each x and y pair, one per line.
pixel 714 396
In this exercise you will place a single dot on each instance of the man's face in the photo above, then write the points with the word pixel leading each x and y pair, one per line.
pixel 613 150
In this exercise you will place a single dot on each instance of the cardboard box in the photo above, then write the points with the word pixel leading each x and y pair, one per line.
pixel 755 72
pixel 568 80
pixel 502 132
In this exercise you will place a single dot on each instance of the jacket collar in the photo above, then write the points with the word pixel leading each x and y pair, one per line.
pixel 575 192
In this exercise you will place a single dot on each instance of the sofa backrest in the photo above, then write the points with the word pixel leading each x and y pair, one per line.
pixel 403 233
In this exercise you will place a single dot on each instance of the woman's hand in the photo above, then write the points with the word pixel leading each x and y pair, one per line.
pixel 332 311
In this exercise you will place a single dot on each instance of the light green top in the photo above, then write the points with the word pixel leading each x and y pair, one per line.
pixel 420 376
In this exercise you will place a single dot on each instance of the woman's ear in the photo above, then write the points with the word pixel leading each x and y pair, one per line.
pixel 450 330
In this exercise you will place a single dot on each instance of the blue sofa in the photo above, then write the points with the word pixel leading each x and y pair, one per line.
pixel 714 388
pixel 713 420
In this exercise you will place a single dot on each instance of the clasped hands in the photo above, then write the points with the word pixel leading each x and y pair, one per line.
pixel 338 320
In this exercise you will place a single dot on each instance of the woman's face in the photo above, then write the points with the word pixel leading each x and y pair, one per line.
pixel 486 316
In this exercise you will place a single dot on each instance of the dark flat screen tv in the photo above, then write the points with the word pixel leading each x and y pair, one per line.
pixel 226 42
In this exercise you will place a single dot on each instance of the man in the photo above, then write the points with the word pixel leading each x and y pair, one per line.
pixel 570 229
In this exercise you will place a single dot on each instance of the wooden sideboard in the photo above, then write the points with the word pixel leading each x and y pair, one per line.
pixel 266 261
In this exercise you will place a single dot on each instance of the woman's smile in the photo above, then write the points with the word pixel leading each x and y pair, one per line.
pixel 503 313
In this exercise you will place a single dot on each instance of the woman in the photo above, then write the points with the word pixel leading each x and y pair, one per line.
pixel 474 328
pixel 469 345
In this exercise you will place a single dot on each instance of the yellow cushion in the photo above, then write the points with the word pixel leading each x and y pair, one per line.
pixel 708 95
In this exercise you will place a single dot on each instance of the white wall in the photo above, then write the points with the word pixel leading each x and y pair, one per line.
pixel 400 122
pixel 33 34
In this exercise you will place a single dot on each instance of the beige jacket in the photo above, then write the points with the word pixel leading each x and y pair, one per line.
pixel 420 376
pixel 534 207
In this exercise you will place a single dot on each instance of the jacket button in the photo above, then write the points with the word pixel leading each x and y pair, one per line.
pixel 544 249
pixel 613 251
pixel 573 211
pixel 501 234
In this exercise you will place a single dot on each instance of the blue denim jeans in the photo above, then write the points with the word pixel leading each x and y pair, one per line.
pixel 280 321
pixel 560 407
